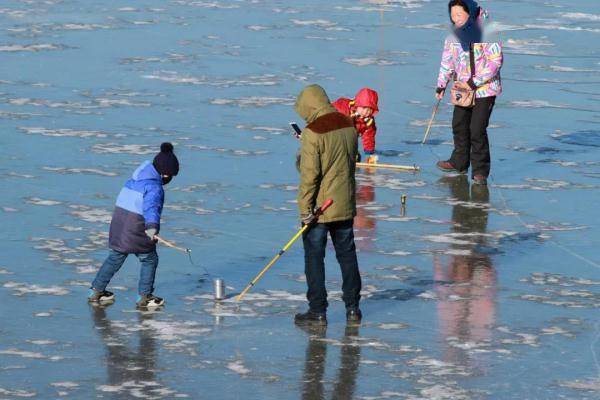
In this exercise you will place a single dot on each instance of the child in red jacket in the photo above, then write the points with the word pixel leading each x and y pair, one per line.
pixel 362 109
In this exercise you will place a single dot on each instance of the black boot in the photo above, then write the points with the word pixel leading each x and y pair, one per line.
pixel 353 315
pixel 311 317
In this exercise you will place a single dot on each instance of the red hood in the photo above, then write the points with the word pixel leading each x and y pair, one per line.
pixel 367 98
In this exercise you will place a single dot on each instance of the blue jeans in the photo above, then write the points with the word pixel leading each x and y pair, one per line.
pixel 315 241
pixel 114 261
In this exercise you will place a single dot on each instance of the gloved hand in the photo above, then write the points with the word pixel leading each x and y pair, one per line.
pixel 372 159
pixel 308 219
pixel 439 93
pixel 151 232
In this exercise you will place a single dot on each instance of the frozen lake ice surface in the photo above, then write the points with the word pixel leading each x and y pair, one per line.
pixel 468 293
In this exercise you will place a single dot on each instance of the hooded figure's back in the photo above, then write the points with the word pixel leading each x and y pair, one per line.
pixel 328 157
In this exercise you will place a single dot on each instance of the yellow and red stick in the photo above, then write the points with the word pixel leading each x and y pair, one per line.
pixel 284 249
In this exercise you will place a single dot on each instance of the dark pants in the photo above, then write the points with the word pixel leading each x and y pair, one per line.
pixel 315 241
pixel 113 263
pixel 471 145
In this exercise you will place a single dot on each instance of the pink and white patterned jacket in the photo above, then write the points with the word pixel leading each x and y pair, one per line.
pixel 488 61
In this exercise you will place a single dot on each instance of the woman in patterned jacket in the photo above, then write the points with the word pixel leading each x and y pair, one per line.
pixel 469 125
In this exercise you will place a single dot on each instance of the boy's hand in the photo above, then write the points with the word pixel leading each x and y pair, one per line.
pixel 151 232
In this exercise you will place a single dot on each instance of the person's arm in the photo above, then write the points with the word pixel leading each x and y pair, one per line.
pixel 310 173
pixel 447 67
pixel 154 197
pixel 368 137
pixel 342 105
pixel 492 56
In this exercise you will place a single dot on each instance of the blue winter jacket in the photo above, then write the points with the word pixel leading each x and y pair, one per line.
pixel 138 208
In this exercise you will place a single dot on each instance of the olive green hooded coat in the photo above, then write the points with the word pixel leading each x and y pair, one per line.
pixel 328 154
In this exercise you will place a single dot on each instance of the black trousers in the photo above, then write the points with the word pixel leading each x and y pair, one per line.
pixel 471 144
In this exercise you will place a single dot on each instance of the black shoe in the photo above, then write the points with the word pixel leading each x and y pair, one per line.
pixel 311 317
pixel 353 315
pixel 100 297
pixel 149 301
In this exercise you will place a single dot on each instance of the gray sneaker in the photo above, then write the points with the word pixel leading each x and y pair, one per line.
pixel 149 301
pixel 96 296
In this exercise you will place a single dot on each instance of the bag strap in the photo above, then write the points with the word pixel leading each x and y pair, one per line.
pixel 472 60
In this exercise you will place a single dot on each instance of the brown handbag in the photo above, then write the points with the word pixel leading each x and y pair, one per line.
pixel 464 97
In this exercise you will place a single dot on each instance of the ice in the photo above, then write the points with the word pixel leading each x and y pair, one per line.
pixel 21 289
pixel 238 367
pixel 15 48
pixel 467 292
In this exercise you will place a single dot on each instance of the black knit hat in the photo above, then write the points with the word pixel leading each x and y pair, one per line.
pixel 165 162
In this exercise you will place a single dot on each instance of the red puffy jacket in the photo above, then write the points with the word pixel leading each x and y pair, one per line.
pixel 364 126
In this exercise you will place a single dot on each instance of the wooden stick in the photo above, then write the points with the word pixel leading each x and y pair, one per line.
pixel 172 245
pixel 435 109
pixel 389 166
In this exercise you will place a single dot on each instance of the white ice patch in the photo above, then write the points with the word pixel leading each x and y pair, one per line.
pixel 250 80
pixel 115 148
pixel 255 101
pixel 65 385
pixel 437 367
pixel 14 48
pixel 428 295
pixel 235 152
pixel 207 4
pixel 321 23
pixel 43 314
pixel 397 253
pixel 269 129
pixel 41 202
pixel 528 46
pixel 85 171
pixel 238 367
pixel 21 289
pixel 90 269
pixel 592 385
pixel 174 331
pixel 29 354
pixel 557 330
pixel 392 326
pixel 537 104
pixel 17 393
pixel 258 27
pixel 90 214
pixel 457 252
pixel 582 16
pixel 365 61
pixel 447 238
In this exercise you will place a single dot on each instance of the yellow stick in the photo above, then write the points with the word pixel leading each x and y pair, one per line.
pixel 265 269
pixel 390 166
pixel 283 250
pixel 171 245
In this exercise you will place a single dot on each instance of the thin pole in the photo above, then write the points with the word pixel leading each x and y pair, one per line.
pixel 172 245
pixel 435 109
pixel 390 166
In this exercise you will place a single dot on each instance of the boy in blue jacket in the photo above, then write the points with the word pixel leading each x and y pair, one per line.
pixel 135 222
